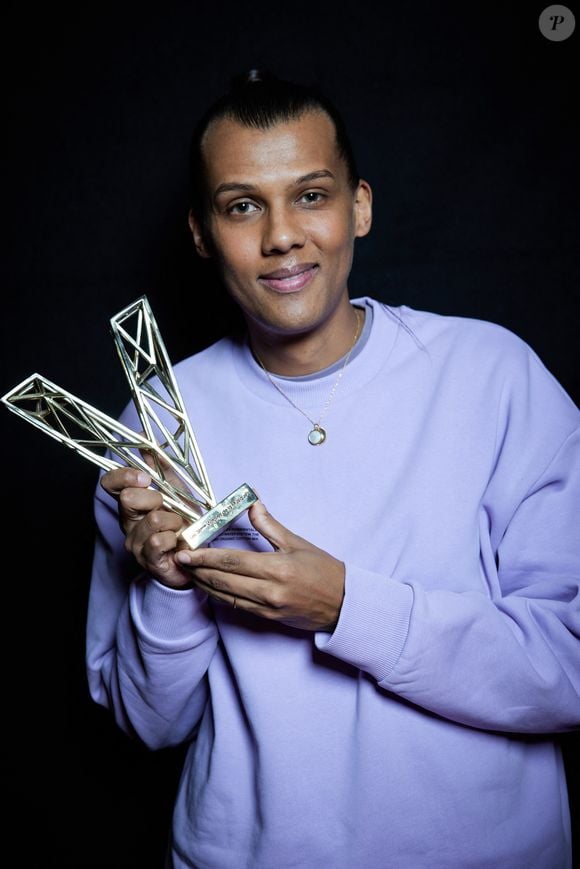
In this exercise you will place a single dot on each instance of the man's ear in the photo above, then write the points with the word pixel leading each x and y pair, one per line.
pixel 363 209
pixel 198 234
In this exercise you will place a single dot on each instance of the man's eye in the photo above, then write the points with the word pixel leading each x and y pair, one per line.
pixel 311 197
pixel 241 208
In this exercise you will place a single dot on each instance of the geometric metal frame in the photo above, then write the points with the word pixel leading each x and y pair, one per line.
pixel 85 429
pixel 167 439
pixel 144 357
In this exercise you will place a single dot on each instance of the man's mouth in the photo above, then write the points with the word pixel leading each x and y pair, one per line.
pixel 290 280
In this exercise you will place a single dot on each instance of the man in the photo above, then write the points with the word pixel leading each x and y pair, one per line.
pixel 371 674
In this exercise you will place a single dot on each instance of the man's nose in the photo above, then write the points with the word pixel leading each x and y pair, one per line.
pixel 282 231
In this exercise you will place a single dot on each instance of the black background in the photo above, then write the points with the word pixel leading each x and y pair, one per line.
pixel 465 122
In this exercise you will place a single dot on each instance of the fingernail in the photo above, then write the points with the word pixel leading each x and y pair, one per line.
pixel 143 479
pixel 182 557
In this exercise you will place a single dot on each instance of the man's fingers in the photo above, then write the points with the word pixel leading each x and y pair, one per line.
pixel 233 573
pixel 248 593
pixel 275 533
pixel 160 466
pixel 135 503
pixel 240 562
pixel 118 479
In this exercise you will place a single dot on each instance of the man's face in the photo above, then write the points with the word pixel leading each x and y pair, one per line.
pixel 282 220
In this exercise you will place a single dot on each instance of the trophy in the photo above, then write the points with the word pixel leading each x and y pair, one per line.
pixel 167 439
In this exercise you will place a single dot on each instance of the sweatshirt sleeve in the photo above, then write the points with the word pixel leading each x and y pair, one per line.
pixel 148 647
pixel 506 657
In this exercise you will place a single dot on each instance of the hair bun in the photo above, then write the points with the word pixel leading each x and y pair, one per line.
pixel 251 76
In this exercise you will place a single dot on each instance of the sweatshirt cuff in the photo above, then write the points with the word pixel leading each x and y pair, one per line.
pixel 167 614
pixel 373 624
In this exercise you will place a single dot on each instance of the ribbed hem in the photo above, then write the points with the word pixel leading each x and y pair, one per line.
pixel 167 615
pixel 373 623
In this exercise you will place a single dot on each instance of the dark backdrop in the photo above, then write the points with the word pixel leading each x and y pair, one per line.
pixel 464 118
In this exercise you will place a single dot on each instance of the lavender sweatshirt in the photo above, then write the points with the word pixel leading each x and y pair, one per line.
pixel 419 733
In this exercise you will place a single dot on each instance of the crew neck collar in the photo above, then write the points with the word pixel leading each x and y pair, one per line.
pixel 310 391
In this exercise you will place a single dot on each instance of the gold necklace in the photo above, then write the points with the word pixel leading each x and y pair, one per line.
pixel 317 435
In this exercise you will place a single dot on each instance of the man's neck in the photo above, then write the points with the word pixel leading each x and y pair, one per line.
pixel 308 352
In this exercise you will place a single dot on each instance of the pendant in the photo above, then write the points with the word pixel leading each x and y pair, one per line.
pixel 317 436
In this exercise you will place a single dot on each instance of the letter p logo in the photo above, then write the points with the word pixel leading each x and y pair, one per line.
pixel 556 23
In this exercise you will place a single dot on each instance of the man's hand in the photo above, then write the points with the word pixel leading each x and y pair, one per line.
pixel 297 584
pixel 151 530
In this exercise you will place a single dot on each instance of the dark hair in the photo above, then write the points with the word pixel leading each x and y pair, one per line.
pixel 258 99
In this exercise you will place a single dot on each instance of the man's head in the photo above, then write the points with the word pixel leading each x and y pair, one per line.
pixel 259 100
pixel 278 205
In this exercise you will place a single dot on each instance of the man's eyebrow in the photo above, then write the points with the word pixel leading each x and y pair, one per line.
pixel 228 187
pixel 314 176
pixel 235 186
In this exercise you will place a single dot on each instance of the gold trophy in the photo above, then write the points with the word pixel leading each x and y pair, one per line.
pixel 167 439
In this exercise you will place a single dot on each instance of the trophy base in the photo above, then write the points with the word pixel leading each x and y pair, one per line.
pixel 219 517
